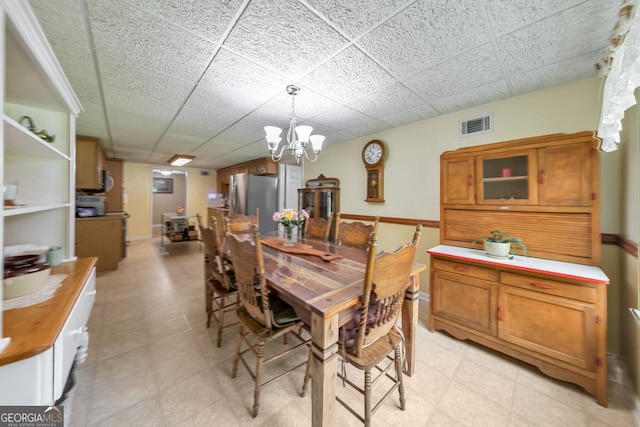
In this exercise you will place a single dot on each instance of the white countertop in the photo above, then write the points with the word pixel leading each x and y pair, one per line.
pixel 589 273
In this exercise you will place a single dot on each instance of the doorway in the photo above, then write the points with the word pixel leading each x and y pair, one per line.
pixel 169 191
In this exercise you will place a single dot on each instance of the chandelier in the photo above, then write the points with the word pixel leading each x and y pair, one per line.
pixel 298 137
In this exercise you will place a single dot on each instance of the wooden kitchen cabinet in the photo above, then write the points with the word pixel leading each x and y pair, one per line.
pixel 457 180
pixel 102 237
pixel 90 162
pixel 264 166
pixel 544 190
pixel 550 314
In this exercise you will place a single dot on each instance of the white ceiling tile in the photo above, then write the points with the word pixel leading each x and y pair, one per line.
pixel 129 102
pixel 507 16
pixel 556 74
pixel 354 17
pixel 347 76
pixel 366 127
pixel 571 33
pixel 220 86
pixel 283 35
pixel 386 100
pixel 411 115
pixel 121 30
pixel 480 95
pixel 91 120
pixel 208 19
pixel 199 123
pixel 407 60
pixel 424 34
pixel 119 73
pixel 460 73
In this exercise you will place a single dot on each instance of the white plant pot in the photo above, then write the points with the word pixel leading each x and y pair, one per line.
pixel 497 249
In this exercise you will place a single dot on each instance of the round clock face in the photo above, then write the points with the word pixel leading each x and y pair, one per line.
pixel 372 153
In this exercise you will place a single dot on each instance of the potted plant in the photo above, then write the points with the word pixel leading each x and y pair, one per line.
pixel 501 245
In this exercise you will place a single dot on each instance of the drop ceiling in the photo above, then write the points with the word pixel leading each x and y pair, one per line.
pixel 204 77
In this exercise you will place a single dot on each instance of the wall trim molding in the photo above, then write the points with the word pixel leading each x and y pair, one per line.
pixel 607 238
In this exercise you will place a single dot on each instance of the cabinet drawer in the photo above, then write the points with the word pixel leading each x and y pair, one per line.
pixel 551 287
pixel 466 269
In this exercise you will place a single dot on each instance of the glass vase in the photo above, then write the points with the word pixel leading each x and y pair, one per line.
pixel 288 235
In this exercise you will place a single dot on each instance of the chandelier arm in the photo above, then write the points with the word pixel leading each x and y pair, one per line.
pixel 315 157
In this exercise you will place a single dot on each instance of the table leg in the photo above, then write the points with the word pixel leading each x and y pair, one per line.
pixel 324 369
pixel 410 321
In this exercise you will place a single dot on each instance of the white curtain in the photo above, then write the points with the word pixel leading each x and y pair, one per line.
pixel 621 81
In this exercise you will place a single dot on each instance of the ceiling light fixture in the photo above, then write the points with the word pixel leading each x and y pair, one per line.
pixel 180 159
pixel 298 137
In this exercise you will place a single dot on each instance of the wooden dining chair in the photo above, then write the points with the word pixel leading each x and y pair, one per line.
pixel 317 228
pixel 355 233
pixel 221 293
pixel 367 341
pixel 219 216
pixel 263 316
pixel 241 224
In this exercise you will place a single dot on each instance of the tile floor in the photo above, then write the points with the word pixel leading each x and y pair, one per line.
pixel 152 361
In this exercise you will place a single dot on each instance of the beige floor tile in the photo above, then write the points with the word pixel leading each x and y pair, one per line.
pixel 470 408
pixel 112 397
pixel 147 413
pixel 542 409
pixel 488 383
pixel 152 361
pixel 190 396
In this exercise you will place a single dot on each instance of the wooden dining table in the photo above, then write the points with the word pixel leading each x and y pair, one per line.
pixel 323 283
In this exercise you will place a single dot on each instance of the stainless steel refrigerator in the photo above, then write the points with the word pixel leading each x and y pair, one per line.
pixel 248 192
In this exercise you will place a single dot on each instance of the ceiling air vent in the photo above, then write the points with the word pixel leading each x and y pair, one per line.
pixel 476 125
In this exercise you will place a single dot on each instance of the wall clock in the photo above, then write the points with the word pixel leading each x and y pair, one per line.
pixel 373 156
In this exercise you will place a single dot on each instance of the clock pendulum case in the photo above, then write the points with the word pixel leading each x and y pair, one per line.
pixel 373 156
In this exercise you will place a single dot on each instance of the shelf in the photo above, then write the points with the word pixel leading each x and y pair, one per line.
pixel 505 178
pixel 21 210
pixel 20 142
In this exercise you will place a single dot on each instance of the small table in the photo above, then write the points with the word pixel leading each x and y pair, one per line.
pixel 176 227
pixel 324 293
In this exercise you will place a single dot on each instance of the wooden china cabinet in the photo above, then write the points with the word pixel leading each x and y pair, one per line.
pixel 321 198
pixel 549 308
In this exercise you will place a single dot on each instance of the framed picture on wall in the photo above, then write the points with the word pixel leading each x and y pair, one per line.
pixel 163 185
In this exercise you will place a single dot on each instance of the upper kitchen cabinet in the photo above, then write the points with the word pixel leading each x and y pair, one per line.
pixel 91 162
pixel 544 190
pixel 456 180
pixel 37 97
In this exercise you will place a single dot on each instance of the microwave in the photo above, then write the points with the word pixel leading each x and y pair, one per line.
pixel 97 203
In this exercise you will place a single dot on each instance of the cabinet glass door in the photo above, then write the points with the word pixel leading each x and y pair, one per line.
pixel 507 180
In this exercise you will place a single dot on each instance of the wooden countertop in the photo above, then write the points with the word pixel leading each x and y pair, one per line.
pixel 34 329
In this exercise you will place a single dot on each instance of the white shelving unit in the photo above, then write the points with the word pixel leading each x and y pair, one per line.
pixel 35 86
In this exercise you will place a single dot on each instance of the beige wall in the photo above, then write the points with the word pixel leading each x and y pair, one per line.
pixel 629 285
pixel 137 183
pixel 412 171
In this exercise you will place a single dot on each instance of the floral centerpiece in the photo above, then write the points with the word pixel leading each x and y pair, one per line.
pixel 290 218
pixel 180 210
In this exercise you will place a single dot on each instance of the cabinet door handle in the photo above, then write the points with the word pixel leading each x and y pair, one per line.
pixel 541 286
pixel 541 177
pixel 500 313
pixel 461 268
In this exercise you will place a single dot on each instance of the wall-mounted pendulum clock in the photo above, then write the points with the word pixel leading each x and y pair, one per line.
pixel 373 155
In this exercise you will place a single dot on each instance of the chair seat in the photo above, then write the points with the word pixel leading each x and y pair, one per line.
pixel 220 289
pixel 375 353
pixel 283 316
